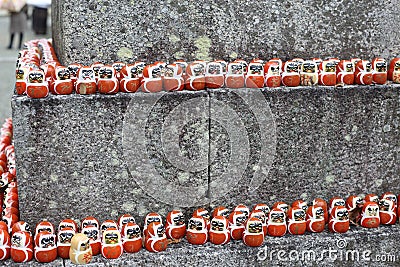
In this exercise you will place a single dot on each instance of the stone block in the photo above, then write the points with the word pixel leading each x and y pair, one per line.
pixel 329 141
pixel 108 155
pixel 242 145
pixel 33 263
pixel 100 156
pixel 111 30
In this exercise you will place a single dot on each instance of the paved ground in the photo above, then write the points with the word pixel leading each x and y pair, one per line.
pixel 7 63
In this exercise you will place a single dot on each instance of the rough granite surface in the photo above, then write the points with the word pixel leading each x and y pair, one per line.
pixel 111 30
pixel 134 153
pixel 358 247
pixel 330 141
pixel 72 162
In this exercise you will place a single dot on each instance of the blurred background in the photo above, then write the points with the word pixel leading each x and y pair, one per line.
pixel 27 14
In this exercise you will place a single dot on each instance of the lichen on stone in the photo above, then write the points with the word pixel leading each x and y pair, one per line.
pixel 386 128
pixel 125 53
pixel 173 38
pixel 54 177
pixel 233 55
pixel 203 44
pixel 330 178
pixel 84 189
pixel 127 206
pixel 378 182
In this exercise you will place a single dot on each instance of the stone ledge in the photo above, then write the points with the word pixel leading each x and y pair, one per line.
pixel 329 141
pixel 97 30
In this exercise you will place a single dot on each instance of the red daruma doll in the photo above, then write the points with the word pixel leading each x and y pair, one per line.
pixel 339 220
pixel 290 74
pixel 21 76
pixel 214 75
pixel 131 237
pixel 21 247
pixel 196 79
pixel 296 221
pixel 235 76
pixel 315 219
pixel 49 72
pixel 36 87
pixel 107 82
pixel 272 74
pixel 255 75
pixel 45 247
pixel 118 67
pixel 86 82
pixel 236 224
pixel 183 65
pixel 260 215
pixel 276 222
pixel 387 211
pixel 64 237
pixel 111 245
pixel 327 73
pixel 96 68
pixel 345 72
pixel 131 79
pixel 197 232
pixel 394 70
pixel 253 235
pixel 175 225
pixel 63 84
pixel 219 233
pixel 224 66
pixel 73 70
pixel 172 79
pixel 152 82
pixel 363 72
pixel 277 61
pixel 155 238
pixel 370 215
pixel 379 73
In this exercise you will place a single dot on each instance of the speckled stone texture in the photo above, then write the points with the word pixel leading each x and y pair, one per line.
pixel 358 247
pixel 111 30
pixel 33 263
pixel 71 161
pixel 135 153
pixel 83 155
pixel 330 141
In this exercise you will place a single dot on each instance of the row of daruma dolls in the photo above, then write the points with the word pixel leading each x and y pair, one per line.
pixel 9 205
pixel 39 73
pixel 112 238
